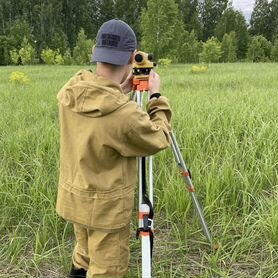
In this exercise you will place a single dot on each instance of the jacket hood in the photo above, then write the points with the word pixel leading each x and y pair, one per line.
pixel 92 95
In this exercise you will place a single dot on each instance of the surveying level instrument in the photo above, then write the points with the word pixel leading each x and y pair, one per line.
pixel 142 66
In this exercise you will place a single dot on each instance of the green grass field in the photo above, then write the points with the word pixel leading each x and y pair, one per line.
pixel 226 122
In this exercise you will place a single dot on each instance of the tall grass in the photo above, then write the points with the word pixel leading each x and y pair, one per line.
pixel 226 123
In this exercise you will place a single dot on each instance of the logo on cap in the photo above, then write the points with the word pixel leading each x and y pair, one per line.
pixel 110 40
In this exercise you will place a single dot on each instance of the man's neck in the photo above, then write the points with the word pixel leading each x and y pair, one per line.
pixel 107 72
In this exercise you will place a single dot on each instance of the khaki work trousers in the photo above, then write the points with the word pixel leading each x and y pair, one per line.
pixel 102 253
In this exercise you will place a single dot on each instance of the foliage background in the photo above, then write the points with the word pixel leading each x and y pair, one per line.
pixel 173 29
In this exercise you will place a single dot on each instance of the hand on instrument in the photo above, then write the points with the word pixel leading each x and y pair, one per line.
pixel 154 82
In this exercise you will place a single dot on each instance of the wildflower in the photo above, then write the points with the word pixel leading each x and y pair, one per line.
pixel 19 77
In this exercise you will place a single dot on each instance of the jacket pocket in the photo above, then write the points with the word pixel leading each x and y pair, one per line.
pixel 113 212
pixel 97 210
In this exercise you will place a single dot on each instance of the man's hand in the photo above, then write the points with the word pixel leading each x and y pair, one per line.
pixel 154 82
pixel 127 85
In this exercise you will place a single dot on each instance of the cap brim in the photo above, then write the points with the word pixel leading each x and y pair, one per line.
pixel 111 56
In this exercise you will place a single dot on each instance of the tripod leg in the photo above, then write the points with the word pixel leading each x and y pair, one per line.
pixel 145 210
pixel 146 256
pixel 151 181
pixel 145 222
pixel 189 184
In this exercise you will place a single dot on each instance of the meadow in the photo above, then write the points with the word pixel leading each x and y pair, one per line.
pixel 226 123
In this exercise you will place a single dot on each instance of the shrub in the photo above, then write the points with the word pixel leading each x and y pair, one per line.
pixel 27 53
pixel 211 51
pixel 14 56
pixel 18 77
pixel 52 57
pixel 199 68
pixel 48 56
pixel 259 49
pixel 68 58
pixel 59 60
pixel 165 62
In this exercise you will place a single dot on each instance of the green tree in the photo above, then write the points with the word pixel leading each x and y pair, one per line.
pixel 162 29
pixel 190 15
pixel 274 18
pixel 15 33
pixel 211 12
pixel 83 49
pixel 59 41
pixel 260 23
pixel 211 51
pixel 259 49
pixel 130 12
pixel 5 47
pixel 274 51
pixel 191 48
pixel 106 10
pixel 229 48
pixel 19 30
pixel 55 24
pixel 86 14
pixel 232 20
pixel 47 18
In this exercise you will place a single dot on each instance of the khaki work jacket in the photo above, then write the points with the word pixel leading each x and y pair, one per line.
pixel 101 134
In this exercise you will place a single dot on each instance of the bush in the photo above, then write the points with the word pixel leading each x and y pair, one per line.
pixel 18 77
pixel 27 53
pixel 211 51
pixel 165 62
pixel 59 60
pixel 14 56
pixel 48 56
pixel 68 58
pixel 52 57
pixel 199 68
pixel 259 49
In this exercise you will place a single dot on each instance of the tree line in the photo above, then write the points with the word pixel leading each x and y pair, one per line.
pixel 189 31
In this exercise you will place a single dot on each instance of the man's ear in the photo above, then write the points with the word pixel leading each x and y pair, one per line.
pixel 132 57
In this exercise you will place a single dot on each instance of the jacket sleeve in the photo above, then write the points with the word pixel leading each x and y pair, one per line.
pixel 147 133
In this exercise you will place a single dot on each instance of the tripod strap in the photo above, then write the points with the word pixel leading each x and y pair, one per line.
pixel 144 188
pixel 147 218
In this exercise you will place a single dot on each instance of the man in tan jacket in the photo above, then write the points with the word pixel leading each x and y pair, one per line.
pixel 102 133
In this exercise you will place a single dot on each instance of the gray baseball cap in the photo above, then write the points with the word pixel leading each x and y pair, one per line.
pixel 115 42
